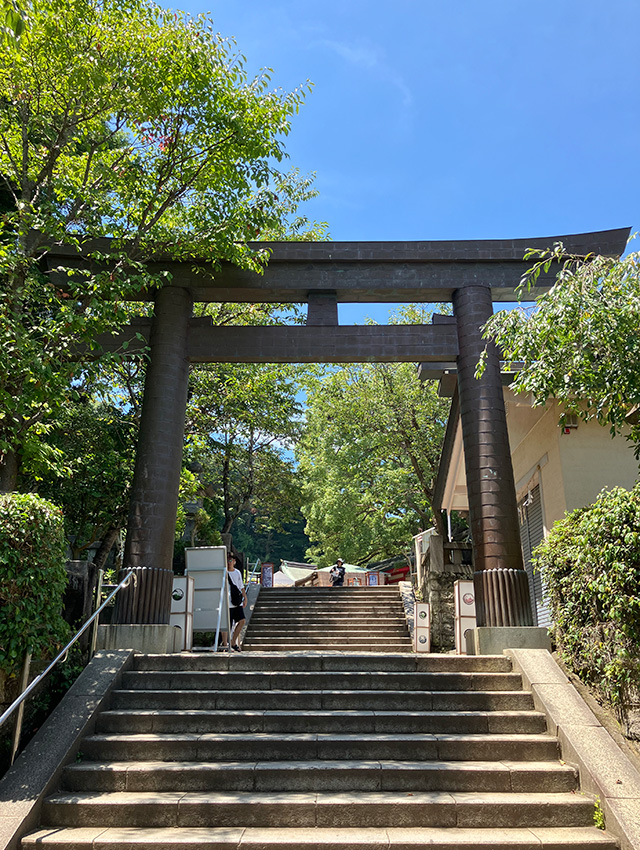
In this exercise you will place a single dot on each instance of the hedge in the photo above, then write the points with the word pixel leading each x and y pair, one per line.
pixel 32 578
pixel 590 566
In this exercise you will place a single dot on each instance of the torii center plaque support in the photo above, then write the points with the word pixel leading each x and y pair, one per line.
pixel 470 274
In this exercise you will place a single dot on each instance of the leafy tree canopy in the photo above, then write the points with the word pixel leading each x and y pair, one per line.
pixel 241 424
pixel 368 458
pixel 12 22
pixel 580 344
pixel 95 442
pixel 122 119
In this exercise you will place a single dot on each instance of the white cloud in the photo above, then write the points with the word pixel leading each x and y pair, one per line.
pixel 370 57
pixel 361 55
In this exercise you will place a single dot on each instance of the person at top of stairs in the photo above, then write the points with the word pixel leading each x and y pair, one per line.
pixel 337 573
pixel 237 602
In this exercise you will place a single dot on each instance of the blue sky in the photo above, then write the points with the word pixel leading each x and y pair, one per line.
pixel 445 119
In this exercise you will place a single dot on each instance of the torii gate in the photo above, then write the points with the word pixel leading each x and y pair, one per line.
pixel 470 274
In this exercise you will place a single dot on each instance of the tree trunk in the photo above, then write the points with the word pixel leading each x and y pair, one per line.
pixel 9 472
pixel 108 539
pixel 439 524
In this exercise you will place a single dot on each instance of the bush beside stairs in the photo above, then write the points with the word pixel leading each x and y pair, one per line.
pixel 319 749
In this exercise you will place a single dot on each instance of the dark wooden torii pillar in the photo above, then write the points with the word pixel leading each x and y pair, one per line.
pixel 470 274
pixel 156 478
pixel 501 584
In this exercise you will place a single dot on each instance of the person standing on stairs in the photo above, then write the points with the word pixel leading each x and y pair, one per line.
pixel 337 573
pixel 237 602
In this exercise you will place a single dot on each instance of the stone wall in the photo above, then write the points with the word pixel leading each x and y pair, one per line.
pixel 443 564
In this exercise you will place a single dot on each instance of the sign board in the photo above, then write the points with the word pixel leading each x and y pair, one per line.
pixel 373 579
pixel 463 625
pixel 465 600
pixel 465 607
pixel 266 575
pixel 422 627
pixel 207 565
pixel 182 597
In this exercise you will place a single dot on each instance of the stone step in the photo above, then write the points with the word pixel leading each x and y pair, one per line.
pixel 318 680
pixel 399 838
pixel 333 662
pixel 345 590
pixel 330 700
pixel 375 645
pixel 399 722
pixel 327 596
pixel 344 615
pixel 321 776
pixel 331 603
pixel 380 606
pixel 320 627
pixel 292 604
pixel 372 624
pixel 265 746
pixel 311 810
pixel 360 838
pixel 348 626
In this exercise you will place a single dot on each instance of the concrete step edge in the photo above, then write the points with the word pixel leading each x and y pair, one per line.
pixel 237 838
pixel 475 799
pixel 553 766
pixel 523 738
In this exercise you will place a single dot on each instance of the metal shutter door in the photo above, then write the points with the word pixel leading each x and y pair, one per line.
pixel 532 533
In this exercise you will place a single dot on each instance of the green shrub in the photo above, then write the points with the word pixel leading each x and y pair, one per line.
pixel 32 578
pixel 591 570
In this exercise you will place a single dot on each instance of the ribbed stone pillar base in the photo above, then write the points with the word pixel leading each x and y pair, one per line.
pixel 502 598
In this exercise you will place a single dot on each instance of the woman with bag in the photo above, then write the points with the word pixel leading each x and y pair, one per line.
pixel 237 601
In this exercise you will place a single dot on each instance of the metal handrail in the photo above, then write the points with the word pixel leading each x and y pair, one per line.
pixel 26 693
pixel 254 571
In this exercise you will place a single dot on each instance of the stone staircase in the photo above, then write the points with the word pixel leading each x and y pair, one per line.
pixel 259 751
pixel 360 619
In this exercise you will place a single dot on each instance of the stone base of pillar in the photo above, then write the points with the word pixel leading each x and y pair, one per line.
pixel 502 598
pixel 153 639
pixel 492 640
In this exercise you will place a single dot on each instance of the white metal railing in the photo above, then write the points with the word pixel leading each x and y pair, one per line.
pixel 18 704
pixel 254 576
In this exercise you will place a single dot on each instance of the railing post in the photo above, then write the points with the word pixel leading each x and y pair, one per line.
pixel 94 633
pixel 17 729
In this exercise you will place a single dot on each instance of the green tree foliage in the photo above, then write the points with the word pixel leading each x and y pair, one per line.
pixel 12 22
pixel 260 538
pixel 241 424
pixel 590 566
pixel 580 344
pixel 32 578
pixel 121 119
pixel 368 458
pixel 95 445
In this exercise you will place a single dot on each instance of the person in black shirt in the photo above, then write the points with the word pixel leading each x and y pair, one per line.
pixel 337 573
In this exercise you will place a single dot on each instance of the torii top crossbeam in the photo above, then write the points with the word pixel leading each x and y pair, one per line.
pixel 368 271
